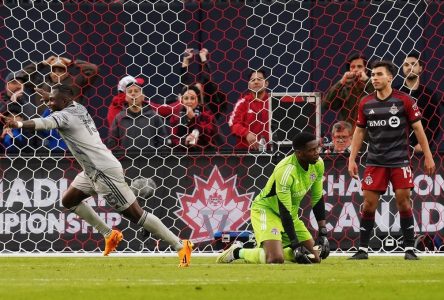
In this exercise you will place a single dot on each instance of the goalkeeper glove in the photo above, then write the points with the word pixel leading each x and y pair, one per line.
pixel 323 243
pixel 303 256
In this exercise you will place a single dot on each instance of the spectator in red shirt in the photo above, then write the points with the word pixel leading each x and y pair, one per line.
pixel 250 118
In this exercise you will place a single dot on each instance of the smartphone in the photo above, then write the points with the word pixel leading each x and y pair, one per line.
pixel 194 51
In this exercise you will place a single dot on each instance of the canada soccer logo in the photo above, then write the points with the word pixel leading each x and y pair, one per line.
pixel 215 205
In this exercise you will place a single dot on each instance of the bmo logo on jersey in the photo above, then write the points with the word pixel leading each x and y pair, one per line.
pixel 392 122
pixel 377 123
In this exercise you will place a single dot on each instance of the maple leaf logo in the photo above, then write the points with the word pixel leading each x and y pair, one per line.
pixel 215 205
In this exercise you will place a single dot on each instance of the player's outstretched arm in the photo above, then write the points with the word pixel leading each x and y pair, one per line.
pixel 11 123
pixel 429 163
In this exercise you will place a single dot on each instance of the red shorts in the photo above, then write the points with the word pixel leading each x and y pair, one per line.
pixel 377 178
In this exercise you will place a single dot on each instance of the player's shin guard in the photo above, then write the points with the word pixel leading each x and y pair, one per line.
pixel 408 228
pixel 87 213
pixel 253 256
pixel 154 225
pixel 367 223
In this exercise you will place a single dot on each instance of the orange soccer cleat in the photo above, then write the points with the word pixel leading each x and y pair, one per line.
pixel 112 241
pixel 185 254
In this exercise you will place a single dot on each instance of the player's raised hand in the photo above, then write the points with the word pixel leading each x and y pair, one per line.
pixel 9 122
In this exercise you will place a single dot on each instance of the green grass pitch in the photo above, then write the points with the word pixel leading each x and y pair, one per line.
pixel 159 278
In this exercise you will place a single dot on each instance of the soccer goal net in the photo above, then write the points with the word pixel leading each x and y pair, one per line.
pixel 204 194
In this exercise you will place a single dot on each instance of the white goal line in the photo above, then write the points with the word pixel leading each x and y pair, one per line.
pixel 197 254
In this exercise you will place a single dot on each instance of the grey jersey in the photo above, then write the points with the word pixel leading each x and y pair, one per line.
pixel 79 132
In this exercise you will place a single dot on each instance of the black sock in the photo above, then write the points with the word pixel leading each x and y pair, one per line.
pixel 367 223
pixel 408 228
pixel 236 253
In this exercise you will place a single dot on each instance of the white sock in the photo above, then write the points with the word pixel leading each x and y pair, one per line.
pixel 153 224
pixel 87 213
pixel 363 249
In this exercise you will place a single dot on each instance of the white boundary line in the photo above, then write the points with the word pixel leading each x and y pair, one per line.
pixel 197 254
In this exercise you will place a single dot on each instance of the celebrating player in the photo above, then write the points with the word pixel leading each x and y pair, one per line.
pixel 387 116
pixel 102 172
pixel 280 234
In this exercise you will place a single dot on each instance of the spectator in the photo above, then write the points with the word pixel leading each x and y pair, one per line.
pixel 209 94
pixel 341 135
pixel 210 98
pixel 14 93
pixel 51 139
pixel 78 74
pixel 137 127
pixel 119 100
pixel 193 126
pixel 250 118
pixel 428 101
pixel 15 140
pixel 343 97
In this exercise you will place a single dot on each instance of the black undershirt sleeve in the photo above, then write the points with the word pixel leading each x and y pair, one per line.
pixel 287 223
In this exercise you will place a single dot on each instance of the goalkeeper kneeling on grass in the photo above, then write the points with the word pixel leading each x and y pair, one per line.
pixel 280 234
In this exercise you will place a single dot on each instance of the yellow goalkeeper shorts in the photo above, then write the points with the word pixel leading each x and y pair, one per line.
pixel 267 225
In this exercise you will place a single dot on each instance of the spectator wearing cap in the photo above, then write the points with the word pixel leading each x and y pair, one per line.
pixel 137 127
pixel 119 100
pixel 14 93
pixel 78 74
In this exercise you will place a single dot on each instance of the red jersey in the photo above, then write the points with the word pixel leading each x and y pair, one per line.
pixel 116 106
pixel 250 114
pixel 388 126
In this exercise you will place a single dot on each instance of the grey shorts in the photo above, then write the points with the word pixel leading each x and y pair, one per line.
pixel 110 184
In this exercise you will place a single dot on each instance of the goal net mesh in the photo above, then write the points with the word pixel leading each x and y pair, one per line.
pixel 205 195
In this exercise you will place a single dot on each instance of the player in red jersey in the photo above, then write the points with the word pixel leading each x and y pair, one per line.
pixel 386 116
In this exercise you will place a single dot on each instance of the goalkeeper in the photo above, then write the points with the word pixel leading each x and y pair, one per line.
pixel 280 234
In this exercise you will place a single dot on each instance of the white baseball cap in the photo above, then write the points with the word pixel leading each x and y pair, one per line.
pixel 127 81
